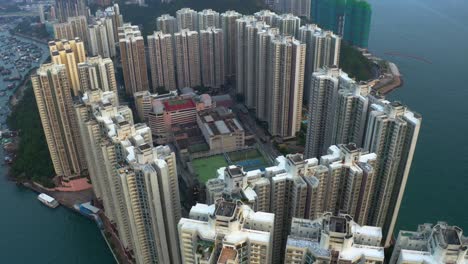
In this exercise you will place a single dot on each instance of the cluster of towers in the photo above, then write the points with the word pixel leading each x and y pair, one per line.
pixel 338 202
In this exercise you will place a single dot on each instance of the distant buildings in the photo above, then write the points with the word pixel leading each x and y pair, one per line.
pixel 299 8
pixel 187 45
pixel 440 243
pixel 112 12
pixel 167 24
pixel 260 75
pixel 133 58
pixel 212 57
pixel 101 38
pixel 350 19
pixel 208 19
pixel 227 232
pixel 52 89
pixel 288 24
pixel 187 19
pixel 162 61
pixel 242 59
pixel 322 49
pixel 228 25
pixel 70 8
pixel 74 27
pixel 333 238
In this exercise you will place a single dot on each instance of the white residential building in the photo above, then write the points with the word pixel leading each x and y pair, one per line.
pixel 392 132
pixel 323 49
pixel 333 239
pixel 440 243
pixel 227 232
pixel 286 83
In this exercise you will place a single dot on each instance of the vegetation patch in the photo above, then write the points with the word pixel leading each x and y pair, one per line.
pixel 355 64
pixel 33 160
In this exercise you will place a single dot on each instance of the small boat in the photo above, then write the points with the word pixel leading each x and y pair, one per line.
pixel 47 200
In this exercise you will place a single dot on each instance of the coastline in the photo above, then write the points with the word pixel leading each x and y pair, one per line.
pixel 65 198
pixel 389 80
pixel 387 77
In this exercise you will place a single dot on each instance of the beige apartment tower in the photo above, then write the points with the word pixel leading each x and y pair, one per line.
pixel 162 62
pixel 70 53
pixel 133 58
pixel 323 49
pixel 52 90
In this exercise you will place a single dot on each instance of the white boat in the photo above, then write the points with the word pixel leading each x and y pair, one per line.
pixel 47 200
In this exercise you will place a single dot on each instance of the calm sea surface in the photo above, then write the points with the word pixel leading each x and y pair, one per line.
pixel 435 31
pixel 431 37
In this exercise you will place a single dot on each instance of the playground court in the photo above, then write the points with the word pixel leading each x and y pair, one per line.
pixel 250 159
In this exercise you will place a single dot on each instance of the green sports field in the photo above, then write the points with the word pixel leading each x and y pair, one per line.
pixel 206 168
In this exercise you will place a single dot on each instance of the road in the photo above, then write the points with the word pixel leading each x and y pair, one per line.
pixel 252 126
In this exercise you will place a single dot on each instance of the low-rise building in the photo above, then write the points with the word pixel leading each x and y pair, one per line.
pixel 221 129
pixel 164 111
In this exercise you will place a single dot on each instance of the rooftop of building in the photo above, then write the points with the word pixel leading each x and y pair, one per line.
pixel 359 251
pixel 312 245
pixel 226 209
pixel 178 104
pixel 338 224
pixel 219 121
pixel 296 158
pixel 234 170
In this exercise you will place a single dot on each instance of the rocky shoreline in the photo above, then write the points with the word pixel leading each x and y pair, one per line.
pixel 388 76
